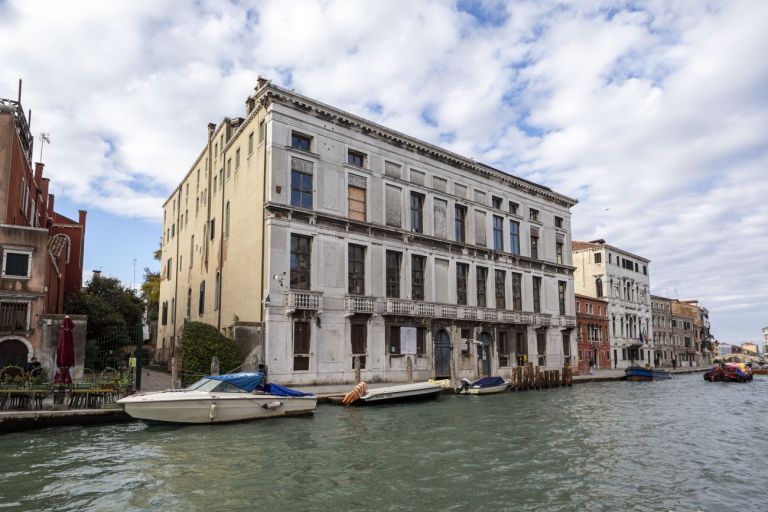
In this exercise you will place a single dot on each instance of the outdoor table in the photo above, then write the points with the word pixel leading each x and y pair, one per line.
pixel 90 397
pixel 22 398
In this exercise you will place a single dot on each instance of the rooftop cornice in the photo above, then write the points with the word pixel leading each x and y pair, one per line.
pixel 342 118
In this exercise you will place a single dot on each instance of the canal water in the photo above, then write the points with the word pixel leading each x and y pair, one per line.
pixel 682 444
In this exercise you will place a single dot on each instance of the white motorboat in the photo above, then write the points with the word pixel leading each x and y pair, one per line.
pixel 401 393
pixel 484 386
pixel 220 399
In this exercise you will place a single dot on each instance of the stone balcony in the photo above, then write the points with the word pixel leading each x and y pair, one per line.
pixel 359 304
pixel 542 319
pixel 303 300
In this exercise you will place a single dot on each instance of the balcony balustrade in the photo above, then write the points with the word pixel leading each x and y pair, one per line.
pixel 304 300
pixel 400 307
pixel 468 313
pixel 542 319
pixel 446 311
pixel 360 305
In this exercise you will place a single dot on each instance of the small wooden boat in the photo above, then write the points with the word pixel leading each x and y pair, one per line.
pixel 484 386
pixel 401 393
pixel 641 374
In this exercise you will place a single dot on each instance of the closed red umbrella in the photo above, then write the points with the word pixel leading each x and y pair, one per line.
pixel 65 352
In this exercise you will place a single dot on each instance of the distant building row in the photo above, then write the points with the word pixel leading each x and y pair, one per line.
pixel 621 323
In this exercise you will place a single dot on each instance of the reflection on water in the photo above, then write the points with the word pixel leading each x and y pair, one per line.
pixel 675 445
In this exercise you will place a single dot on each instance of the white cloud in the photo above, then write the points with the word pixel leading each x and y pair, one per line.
pixel 657 112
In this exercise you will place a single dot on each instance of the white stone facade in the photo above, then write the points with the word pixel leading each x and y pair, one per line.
pixel 340 242
pixel 623 279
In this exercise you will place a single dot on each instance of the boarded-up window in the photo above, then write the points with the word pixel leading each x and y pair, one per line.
pixel 480 238
pixel 439 184
pixel 359 337
pixel 356 198
pixel 392 199
pixel 300 345
pixel 417 177
pixel 392 170
pixel 441 222
pixel 441 276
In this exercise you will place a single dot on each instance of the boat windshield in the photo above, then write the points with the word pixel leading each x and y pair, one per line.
pixel 209 385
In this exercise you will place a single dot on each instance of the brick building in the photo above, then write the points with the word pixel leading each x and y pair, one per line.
pixel 593 340
pixel 41 250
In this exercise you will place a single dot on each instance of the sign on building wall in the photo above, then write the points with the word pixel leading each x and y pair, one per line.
pixel 407 340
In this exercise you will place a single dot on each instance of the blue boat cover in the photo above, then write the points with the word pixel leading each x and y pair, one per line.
pixel 254 381
pixel 487 382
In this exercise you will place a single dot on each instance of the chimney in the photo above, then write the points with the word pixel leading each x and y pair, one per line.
pixel 19 100
pixel 50 206
pixel 81 218
pixel 261 82
pixel 39 173
pixel 211 129
pixel 96 274
pixel 44 191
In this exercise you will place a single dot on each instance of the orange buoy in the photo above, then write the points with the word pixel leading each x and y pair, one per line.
pixel 359 390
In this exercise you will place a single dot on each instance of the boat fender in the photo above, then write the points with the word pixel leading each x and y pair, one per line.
pixel 272 405
pixel 212 412
pixel 360 389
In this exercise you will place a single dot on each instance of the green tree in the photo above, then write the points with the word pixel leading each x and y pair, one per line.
pixel 150 292
pixel 110 306
pixel 199 343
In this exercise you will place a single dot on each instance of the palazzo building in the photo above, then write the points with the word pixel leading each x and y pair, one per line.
pixel 320 240
pixel 622 279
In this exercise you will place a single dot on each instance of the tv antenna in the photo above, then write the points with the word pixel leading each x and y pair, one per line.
pixel 45 138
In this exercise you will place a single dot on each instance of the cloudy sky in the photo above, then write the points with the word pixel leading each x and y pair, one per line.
pixel 653 114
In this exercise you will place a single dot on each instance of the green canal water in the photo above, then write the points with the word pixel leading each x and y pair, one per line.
pixel 677 445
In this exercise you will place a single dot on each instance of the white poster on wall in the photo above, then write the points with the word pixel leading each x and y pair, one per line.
pixel 407 340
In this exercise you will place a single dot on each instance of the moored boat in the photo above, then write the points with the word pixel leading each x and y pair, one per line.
pixel 641 374
pixel 484 386
pixel 220 399
pixel 729 372
pixel 398 393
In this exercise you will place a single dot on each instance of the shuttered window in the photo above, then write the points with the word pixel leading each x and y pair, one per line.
pixel 300 345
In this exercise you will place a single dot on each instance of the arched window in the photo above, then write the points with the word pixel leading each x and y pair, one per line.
pixel 599 287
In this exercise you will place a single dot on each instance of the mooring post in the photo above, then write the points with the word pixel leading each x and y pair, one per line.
pixel 214 365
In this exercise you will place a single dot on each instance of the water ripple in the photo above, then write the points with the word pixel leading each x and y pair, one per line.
pixel 677 445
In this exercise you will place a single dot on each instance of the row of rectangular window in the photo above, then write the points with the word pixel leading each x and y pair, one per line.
pixel 357 159
pixel 300 267
pixel 624 263
pixel 302 192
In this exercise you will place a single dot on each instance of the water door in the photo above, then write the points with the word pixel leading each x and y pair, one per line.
pixel 484 354
pixel 442 355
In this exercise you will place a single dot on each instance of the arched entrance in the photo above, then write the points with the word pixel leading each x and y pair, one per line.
pixel 13 352
pixel 442 355
pixel 484 354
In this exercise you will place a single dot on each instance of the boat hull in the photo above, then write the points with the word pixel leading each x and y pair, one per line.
pixel 191 407
pixel 639 374
pixel 399 394
pixel 486 390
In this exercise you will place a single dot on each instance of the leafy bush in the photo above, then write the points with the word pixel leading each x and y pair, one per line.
pixel 199 343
